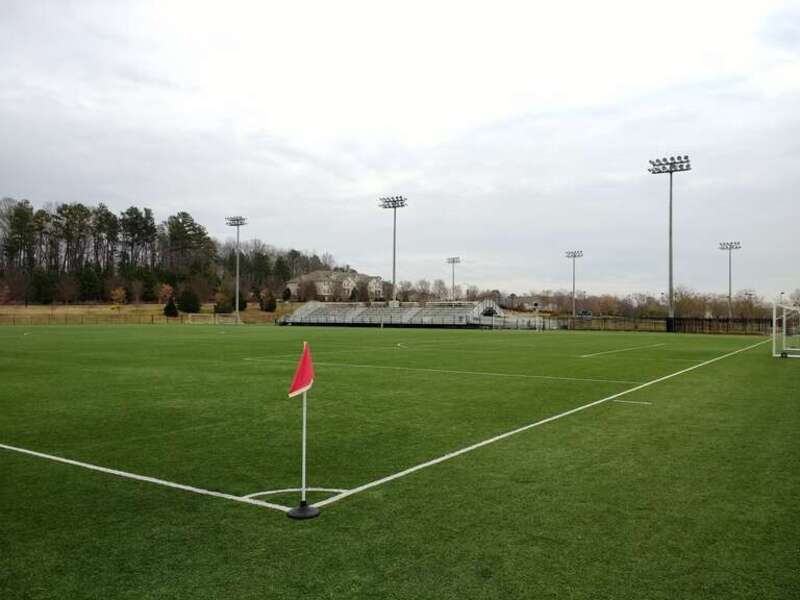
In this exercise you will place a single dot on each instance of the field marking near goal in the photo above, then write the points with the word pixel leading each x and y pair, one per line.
pixel 632 402
pixel 456 372
pixel 291 490
pixel 147 479
pixel 502 436
pixel 621 350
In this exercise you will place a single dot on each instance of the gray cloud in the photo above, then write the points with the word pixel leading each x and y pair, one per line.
pixel 89 113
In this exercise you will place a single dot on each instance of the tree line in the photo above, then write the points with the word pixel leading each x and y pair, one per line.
pixel 746 304
pixel 73 252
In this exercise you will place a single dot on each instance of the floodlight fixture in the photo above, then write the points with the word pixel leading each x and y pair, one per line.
pixel 238 222
pixel 573 254
pixel 660 167
pixel 453 261
pixel 730 247
pixel 393 202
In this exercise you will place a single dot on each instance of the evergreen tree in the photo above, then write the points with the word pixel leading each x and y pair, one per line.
pixel 170 310
pixel 188 301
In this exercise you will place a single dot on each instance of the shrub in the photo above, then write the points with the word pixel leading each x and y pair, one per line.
pixel 222 303
pixel 170 310
pixel 287 294
pixel 118 295
pixel 165 292
pixel 188 301
pixel 267 301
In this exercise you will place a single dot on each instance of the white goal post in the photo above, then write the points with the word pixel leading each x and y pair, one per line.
pixel 212 319
pixel 785 331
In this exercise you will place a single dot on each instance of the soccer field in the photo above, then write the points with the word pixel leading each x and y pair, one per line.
pixel 460 464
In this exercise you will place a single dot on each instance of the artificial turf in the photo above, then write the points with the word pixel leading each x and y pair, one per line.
pixel 692 495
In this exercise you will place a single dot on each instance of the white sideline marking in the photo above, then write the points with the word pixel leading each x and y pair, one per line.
pixel 507 434
pixel 621 350
pixel 454 372
pixel 632 402
pixel 290 490
pixel 179 486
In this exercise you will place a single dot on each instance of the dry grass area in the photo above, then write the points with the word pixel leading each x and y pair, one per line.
pixel 111 313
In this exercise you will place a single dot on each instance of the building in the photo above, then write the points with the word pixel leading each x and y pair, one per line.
pixel 331 286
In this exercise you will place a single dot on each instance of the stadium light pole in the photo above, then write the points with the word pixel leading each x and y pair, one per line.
pixel 453 260
pixel 672 165
pixel 730 247
pixel 393 202
pixel 237 222
pixel 573 254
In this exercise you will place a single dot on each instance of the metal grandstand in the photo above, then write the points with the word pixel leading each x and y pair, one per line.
pixel 464 315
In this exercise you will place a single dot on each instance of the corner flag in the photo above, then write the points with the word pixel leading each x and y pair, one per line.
pixel 302 382
pixel 304 375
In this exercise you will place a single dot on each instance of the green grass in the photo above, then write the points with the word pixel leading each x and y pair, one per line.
pixel 695 495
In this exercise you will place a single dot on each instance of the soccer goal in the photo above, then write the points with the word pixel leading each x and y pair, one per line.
pixel 786 331
pixel 200 318
pixel 226 319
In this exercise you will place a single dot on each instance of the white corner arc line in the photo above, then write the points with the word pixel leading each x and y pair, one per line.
pixel 290 490
pixel 632 402
pixel 145 478
pixel 508 434
pixel 621 350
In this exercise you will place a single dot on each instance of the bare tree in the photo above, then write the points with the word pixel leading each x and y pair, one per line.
pixel 137 289
pixel 423 290
pixel 307 291
pixel 405 289
pixel 67 289
pixel 440 289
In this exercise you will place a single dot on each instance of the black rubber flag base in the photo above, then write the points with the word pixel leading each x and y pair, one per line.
pixel 304 511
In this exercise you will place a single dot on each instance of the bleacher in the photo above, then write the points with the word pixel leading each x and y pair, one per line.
pixel 383 314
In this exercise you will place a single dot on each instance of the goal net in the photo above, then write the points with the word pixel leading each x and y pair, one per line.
pixel 786 331
pixel 200 318
pixel 226 319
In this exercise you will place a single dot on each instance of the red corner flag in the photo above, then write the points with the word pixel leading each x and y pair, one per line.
pixel 304 375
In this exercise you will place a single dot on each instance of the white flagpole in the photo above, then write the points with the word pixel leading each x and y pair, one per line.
pixel 303 484
pixel 304 511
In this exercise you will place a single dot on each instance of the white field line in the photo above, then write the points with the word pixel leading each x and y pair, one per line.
pixel 632 402
pixel 502 436
pixel 621 350
pixel 290 490
pixel 323 351
pixel 456 372
pixel 145 478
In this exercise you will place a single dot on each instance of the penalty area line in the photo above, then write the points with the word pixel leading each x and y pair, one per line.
pixel 147 479
pixel 502 436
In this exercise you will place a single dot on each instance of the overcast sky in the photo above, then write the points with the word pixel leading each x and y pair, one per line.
pixel 517 130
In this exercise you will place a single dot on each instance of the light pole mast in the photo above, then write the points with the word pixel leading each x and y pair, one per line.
pixel 730 247
pixel 573 254
pixel 393 202
pixel 453 260
pixel 236 222
pixel 658 167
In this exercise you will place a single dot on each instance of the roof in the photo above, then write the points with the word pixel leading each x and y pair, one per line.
pixel 332 276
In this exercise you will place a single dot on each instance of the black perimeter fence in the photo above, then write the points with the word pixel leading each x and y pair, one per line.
pixel 549 323
pixel 540 323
